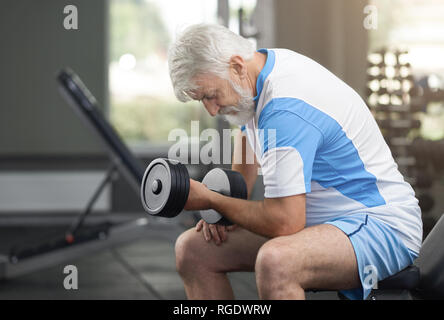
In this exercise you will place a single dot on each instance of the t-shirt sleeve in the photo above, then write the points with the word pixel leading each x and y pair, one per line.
pixel 289 145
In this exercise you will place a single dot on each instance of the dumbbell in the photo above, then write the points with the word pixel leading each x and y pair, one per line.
pixel 166 185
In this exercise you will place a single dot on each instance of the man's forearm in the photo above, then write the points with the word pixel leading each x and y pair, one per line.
pixel 251 215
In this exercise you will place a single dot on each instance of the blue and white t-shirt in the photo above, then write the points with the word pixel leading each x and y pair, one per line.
pixel 314 134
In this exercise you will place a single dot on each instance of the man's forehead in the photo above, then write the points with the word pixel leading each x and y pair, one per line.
pixel 201 89
pixel 198 94
pixel 205 84
pixel 208 81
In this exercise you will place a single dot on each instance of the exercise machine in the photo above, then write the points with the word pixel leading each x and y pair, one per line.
pixel 80 239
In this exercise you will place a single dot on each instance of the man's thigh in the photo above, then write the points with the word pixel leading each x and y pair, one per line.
pixel 318 257
pixel 237 253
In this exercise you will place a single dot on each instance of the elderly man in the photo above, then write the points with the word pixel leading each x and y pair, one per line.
pixel 335 209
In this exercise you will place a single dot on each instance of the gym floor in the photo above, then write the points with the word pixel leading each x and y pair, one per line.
pixel 140 270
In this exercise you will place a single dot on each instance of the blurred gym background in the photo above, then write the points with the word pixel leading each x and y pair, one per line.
pixel 51 163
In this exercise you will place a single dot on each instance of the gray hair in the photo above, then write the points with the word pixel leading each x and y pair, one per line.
pixel 202 49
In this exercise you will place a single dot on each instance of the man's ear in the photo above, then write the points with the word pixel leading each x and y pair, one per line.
pixel 238 66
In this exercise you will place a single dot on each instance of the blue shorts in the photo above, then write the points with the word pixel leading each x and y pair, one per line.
pixel 380 253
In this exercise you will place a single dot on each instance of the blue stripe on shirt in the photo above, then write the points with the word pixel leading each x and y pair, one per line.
pixel 329 156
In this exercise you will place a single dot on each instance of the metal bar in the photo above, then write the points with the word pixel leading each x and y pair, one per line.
pixel 117 235
pixel 79 221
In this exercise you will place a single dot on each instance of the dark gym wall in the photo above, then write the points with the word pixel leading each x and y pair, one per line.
pixel 34 120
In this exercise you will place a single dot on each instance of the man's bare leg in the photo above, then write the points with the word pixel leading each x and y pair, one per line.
pixel 203 265
pixel 318 257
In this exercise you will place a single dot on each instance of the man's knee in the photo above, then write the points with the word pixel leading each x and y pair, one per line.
pixel 186 247
pixel 273 265
pixel 270 263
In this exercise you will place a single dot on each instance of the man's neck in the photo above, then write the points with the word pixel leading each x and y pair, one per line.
pixel 255 67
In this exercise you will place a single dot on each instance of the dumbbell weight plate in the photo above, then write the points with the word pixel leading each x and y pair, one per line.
pixel 165 188
pixel 181 189
pixel 182 194
pixel 226 182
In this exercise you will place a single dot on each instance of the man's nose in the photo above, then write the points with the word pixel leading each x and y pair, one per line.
pixel 211 107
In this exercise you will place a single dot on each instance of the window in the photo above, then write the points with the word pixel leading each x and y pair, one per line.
pixel 248 7
pixel 143 106
pixel 418 26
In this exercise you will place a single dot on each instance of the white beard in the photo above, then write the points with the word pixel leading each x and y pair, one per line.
pixel 245 107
